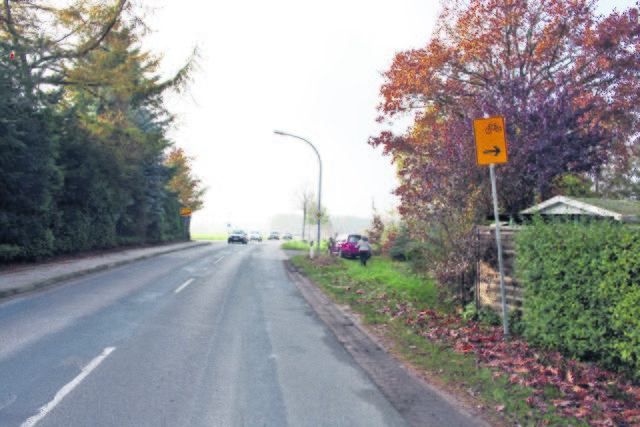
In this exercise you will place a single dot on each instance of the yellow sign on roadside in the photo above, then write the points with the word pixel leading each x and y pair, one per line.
pixel 318 215
pixel 491 141
pixel 185 211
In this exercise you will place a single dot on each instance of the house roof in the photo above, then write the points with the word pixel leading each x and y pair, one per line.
pixel 624 207
pixel 621 210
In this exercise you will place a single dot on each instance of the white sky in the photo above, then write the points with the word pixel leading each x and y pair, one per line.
pixel 312 69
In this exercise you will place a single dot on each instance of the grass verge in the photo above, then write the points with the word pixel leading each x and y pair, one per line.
pixel 298 245
pixel 402 309
pixel 219 236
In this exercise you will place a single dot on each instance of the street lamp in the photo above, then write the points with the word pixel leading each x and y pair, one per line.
pixel 318 213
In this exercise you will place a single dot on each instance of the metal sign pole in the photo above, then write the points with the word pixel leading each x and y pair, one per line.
pixel 184 228
pixel 499 242
pixel 491 148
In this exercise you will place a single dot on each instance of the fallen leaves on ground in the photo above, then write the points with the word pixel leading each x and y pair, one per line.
pixel 586 392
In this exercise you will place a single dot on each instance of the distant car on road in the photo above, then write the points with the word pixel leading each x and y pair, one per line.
pixel 274 235
pixel 346 245
pixel 255 235
pixel 238 236
pixel 287 236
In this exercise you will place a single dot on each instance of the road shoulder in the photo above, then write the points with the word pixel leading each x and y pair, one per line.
pixel 420 403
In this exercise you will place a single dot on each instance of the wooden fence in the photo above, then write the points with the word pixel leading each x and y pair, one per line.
pixel 488 277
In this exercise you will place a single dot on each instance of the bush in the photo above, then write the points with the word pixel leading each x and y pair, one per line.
pixel 470 312
pixel 9 252
pixel 516 325
pixel 581 290
pixel 619 286
pixel 375 233
pixel 389 238
pixel 489 316
pixel 402 247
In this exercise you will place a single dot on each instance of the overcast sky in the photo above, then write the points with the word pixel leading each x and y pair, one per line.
pixel 312 69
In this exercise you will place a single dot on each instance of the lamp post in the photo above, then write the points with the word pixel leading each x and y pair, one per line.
pixel 277 132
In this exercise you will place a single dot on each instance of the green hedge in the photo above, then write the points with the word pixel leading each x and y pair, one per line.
pixel 62 191
pixel 9 252
pixel 582 293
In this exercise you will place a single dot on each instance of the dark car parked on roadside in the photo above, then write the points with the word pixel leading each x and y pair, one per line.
pixel 274 235
pixel 238 236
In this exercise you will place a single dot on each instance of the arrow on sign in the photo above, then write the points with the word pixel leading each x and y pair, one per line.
pixel 496 151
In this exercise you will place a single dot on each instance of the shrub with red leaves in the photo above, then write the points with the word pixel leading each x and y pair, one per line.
pixel 389 240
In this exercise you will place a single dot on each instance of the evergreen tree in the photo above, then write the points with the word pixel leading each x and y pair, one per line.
pixel 29 176
pixel 82 131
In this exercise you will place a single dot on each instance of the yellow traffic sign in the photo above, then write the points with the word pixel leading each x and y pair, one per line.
pixel 318 215
pixel 491 141
pixel 185 211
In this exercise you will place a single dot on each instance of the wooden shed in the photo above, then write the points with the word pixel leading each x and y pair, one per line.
pixel 621 210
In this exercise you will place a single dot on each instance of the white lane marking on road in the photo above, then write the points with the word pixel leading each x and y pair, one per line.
pixel 184 285
pixel 218 260
pixel 68 388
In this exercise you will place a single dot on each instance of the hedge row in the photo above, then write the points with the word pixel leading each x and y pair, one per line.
pixel 582 290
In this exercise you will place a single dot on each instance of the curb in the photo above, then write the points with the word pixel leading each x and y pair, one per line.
pixel 418 402
pixel 40 284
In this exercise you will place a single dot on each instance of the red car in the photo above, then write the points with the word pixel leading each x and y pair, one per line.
pixel 346 245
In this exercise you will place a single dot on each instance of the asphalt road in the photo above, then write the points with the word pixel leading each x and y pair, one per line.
pixel 212 336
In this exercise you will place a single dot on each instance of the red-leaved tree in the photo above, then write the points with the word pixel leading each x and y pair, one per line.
pixel 566 81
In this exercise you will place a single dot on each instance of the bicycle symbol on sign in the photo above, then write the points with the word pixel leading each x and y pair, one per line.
pixel 493 127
